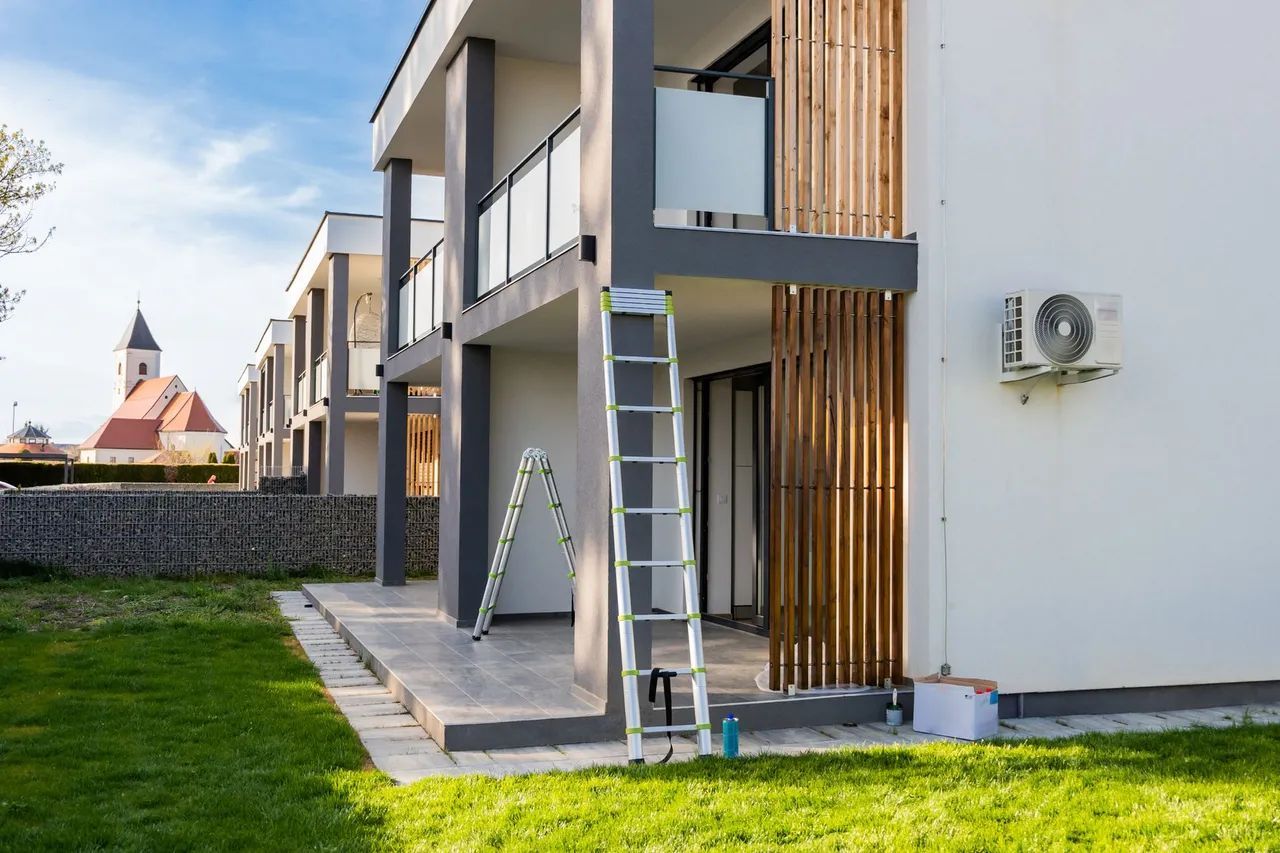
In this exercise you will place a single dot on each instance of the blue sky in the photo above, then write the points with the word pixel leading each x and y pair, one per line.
pixel 201 140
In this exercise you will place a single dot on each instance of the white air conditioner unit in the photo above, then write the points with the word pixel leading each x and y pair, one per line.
pixel 1046 331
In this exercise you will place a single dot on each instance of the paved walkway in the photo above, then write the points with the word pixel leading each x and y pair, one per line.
pixel 402 749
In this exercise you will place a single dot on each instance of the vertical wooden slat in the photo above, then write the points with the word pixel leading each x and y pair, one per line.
pixel 794 534
pixel 886 157
pixel 818 502
pixel 874 302
pixel 804 113
pixel 861 634
pixel 804 449
pixel 898 92
pixel 860 204
pixel 899 487
pixel 844 118
pixel 849 600
pixel 886 482
pixel 832 478
pixel 776 12
pixel 777 449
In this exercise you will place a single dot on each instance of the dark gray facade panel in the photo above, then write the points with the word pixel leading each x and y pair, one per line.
pixel 393 408
pixel 465 387
pixel 315 457
pixel 617 209
pixel 558 277
pixel 336 433
pixel 791 258
pixel 401 366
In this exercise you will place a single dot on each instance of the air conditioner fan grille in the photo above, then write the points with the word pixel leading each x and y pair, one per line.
pixel 1064 329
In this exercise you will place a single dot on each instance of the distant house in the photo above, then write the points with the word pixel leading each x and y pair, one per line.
pixel 31 443
pixel 154 413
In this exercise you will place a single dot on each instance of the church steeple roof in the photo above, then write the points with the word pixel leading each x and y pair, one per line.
pixel 138 336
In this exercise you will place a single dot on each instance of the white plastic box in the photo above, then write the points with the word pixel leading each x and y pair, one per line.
pixel 964 708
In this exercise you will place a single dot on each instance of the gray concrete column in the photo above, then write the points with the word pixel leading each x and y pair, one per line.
pixel 336 314
pixel 277 400
pixel 252 453
pixel 393 397
pixel 315 457
pixel 298 447
pixel 617 208
pixel 299 366
pixel 465 388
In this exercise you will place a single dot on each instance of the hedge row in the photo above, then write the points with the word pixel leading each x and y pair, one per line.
pixel 25 474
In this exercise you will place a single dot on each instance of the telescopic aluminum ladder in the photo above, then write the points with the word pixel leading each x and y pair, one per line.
pixel 534 460
pixel 652 303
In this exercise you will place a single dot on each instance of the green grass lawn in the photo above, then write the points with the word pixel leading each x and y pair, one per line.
pixel 178 715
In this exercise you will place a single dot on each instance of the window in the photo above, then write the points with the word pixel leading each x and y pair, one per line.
pixel 113 460
pixel 142 368
pixel 119 369
pixel 130 458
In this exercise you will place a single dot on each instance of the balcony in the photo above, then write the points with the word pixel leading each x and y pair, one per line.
pixel 532 214
pixel 713 149
pixel 420 299
pixel 299 392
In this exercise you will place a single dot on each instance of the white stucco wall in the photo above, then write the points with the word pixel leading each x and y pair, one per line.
pixel 360 463
pixel 530 99
pixel 1120 533
pixel 534 404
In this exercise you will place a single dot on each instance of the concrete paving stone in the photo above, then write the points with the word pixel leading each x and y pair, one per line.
pixel 600 750
pixel 388 721
pixel 791 737
pixel 360 712
pixel 359 690
pixel 344 671
pixel 367 681
pixel 383 698
pixel 414 761
pixel 391 748
pixel 1086 723
pixel 379 738
pixel 526 754
pixel 472 758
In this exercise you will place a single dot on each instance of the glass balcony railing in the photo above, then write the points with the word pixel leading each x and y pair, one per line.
pixel 419 295
pixel 320 378
pixel 299 395
pixel 362 367
pixel 532 214
pixel 713 149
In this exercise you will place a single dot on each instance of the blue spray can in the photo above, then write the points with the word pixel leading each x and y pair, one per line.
pixel 729 736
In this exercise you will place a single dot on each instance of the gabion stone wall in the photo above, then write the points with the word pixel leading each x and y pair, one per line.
pixel 283 485
pixel 187 534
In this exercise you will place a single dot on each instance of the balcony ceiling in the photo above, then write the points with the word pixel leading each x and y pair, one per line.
pixel 409 123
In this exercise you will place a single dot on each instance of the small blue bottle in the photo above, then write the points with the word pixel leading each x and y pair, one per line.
pixel 729 736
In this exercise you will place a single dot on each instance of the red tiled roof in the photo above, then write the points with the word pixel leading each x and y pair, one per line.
pixel 143 396
pixel 186 412
pixel 126 434
pixel 31 451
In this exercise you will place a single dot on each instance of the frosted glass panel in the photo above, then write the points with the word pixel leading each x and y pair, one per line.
pixel 404 324
pixel 493 244
pixel 362 367
pixel 529 214
pixel 709 152
pixel 423 310
pixel 566 167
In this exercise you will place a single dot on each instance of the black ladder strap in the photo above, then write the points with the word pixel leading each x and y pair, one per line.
pixel 666 676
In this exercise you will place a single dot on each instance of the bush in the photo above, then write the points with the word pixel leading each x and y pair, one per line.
pixel 98 472
pixel 229 458
pixel 27 474
pixel 213 458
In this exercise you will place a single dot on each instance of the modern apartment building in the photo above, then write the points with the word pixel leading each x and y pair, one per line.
pixel 309 400
pixel 839 195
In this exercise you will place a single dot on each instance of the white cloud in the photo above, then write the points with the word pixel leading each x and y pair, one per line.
pixel 204 222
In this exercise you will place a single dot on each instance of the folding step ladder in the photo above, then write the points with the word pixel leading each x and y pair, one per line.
pixel 652 303
pixel 534 460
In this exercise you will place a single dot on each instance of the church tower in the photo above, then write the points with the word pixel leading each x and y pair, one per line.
pixel 137 358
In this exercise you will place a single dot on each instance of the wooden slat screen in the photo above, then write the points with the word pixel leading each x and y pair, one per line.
pixel 836 488
pixel 422 475
pixel 838 116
